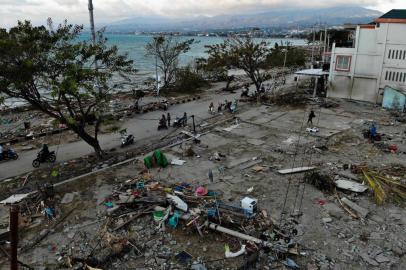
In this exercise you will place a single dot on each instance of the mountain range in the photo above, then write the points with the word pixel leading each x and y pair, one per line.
pixel 282 18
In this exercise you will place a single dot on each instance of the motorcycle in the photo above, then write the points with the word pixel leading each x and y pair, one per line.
pixel 179 122
pixel 9 154
pixel 51 158
pixel 127 139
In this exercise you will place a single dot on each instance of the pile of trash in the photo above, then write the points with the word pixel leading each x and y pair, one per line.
pixel 184 207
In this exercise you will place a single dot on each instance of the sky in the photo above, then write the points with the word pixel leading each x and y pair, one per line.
pixel 75 11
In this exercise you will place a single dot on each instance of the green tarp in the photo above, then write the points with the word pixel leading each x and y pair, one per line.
pixel 157 158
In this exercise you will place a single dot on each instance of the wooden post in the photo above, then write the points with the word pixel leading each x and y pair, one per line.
pixel 14 211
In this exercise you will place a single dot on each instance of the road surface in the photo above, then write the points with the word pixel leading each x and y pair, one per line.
pixel 141 126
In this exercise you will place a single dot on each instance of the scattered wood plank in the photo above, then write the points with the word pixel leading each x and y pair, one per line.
pixel 296 170
pixel 362 212
pixel 146 211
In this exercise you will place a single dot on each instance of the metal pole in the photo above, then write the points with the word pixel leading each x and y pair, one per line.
pixel 284 61
pixel 14 211
pixel 194 126
pixel 156 72
pixel 325 43
pixel 314 37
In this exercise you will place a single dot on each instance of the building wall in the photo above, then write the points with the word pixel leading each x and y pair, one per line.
pixel 378 60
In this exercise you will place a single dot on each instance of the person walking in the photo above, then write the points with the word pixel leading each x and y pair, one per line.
pixel 168 118
pixel 211 108
pixel 311 116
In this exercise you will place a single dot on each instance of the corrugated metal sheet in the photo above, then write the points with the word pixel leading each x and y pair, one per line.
pixel 394 99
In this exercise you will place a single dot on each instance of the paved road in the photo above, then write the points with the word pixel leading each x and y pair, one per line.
pixel 141 126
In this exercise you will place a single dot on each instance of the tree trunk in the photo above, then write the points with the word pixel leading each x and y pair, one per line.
pixel 93 142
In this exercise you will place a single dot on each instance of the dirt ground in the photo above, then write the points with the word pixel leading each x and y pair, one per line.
pixel 327 236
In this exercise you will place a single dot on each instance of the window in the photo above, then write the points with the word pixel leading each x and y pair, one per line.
pixel 390 51
pixel 404 55
pixel 386 76
pixel 396 57
pixel 397 76
pixel 343 62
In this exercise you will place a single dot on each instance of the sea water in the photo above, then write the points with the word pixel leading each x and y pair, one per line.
pixel 134 46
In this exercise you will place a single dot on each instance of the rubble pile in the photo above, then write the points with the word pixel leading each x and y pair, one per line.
pixel 143 208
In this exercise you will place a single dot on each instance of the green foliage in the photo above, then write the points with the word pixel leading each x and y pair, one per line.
pixel 241 53
pixel 188 80
pixel 54 72
pixel 167 50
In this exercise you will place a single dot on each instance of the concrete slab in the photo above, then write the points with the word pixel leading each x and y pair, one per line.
pixel 255 142
pixel 249 131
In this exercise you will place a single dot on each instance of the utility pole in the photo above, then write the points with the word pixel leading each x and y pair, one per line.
pixel 325 43
pixel 314 37
pixel 156 72
pixel 92 30
pixel 14 211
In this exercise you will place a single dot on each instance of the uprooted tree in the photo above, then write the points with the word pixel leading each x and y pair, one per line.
pixel 167 50
pixel 55 72
pixel 242 53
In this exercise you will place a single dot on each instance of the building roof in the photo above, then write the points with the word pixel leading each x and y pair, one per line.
pixel 316 72
pixel 393 16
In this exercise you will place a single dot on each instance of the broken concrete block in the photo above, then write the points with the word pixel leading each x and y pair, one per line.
pixel 362 212
pixel 111 210
pixel 351 185
pixel 368 259
pixel 327 220
pixel 381 258
pixel 68 198
pixel 333 210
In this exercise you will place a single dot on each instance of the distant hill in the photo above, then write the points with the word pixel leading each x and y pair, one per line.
pixel 270 18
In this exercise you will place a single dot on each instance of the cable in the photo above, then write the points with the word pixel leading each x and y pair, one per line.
pixel 310 160
pixel 293 164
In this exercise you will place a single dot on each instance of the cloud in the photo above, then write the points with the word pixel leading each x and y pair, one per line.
pixel 112 10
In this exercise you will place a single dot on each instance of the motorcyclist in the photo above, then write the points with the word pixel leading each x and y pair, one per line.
pixel 162 122
pixel 245 92
pixel 44 153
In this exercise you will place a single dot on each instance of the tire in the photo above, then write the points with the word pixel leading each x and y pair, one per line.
pixel 15 157
pixel 36 163
pixel 52 158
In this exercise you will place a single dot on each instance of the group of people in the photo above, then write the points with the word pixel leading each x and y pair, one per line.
pixel 165 121
pixel 226 106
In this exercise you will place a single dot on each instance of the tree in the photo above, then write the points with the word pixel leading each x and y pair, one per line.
pixel 54 72
pixel 294 56
pixel 167 50
pixel 242 53
pixel 188 79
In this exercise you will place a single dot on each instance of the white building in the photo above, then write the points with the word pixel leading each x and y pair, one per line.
pixel 375 63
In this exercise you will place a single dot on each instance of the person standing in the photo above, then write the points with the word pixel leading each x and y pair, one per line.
pixel 184 119
pixel 168 118
pixel 311 116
